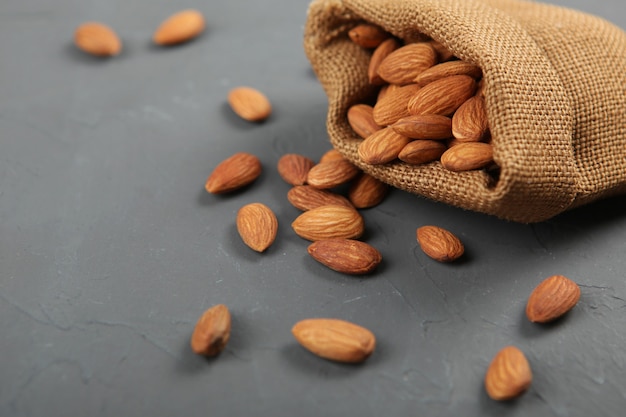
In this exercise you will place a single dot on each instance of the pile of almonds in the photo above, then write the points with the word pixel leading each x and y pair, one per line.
pixel 430 105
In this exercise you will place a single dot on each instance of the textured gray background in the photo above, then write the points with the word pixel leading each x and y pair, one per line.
pixel 110 248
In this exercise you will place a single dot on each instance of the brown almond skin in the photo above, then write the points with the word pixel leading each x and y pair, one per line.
pixel 249 103
pixel 443 96
pixel 467 156
pixel 97 39
pixel 367 191
pixel 257 225
pixel 305 197
pixel 331 174
pixel 393 105
pixel 347 256
pixel 212 331
pixel 179 27
pixel 380 53
pixel 367 35
pixel 447 69
pixel 509 374
pixel 421 151
pixel 552 298
pixel 440 244
pixel 234 173
pixel 469 123
pixel 361 120
pixel 335 339
pixel 331 155
pixel 294 168
pixel 382 147
pixel 328 222
pixel 424 126
pixel 404 64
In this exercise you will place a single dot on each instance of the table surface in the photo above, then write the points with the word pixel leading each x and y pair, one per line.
pixel 110 248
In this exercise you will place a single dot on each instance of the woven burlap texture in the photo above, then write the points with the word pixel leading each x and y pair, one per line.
pixel 555 92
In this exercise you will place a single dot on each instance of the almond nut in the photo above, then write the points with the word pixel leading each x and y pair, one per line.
pixel 382 146
pixel 443 96
pixel 257 225
pixel 294 168
pixel 425 126
pixel 467 156
pixel 380 53
pixel 331 155
pixel 552 298
pixel 447 69
pixel 234 173
pixel 347 256
pixel 179 27
pixel 97 39
pixel 335 339
pixel 367 191
pixel 469 123
pixel 361 120
pixel 249 104
pixel 367 35
pixel 331 174
pixel 439 243
pixel 305 197
pixel 393 106
pixel 404 64
pixel 327 222
pixel 422 151
pixel 508 375
pixel 212 331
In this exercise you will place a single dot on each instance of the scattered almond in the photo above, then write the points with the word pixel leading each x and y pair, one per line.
pixel 367 191
pixel 508 375
pixel 97 39
pixel 305 197
pixel 327 222
pixel 234 173
pixel 331 174
pixel 249 104
pixel 179 27
pixel 361 120
pixel 257 225
pixel 212 331
pixel 467 156
pixel 294 168
pixel 347 256
pixel 440 244
pixel 552 298
pixel 404 64
pixel 335 339
pixel 367 36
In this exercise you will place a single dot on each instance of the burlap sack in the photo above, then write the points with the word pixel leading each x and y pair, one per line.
pixel 555 93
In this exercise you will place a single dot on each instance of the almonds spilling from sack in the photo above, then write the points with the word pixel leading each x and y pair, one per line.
pixel 552 298
pixel 212 331
pixel 97 39
pixel 508 375
pixel 335 339
pixel 426 94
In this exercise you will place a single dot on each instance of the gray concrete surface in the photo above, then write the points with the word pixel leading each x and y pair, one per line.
pixel 110 248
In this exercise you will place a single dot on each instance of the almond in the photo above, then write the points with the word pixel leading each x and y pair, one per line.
pixel 382 146
pixel 234 173
pixel 394 104
pixel 380 53
pixel 305 197
pixel 404 64
pixel 425 126
pixel 335 339
pixel 552 298
pixel 331 155
pixel 249 104
pixel 467 156
pixel 179 27
pixel 439 243
pixel 469 123
pixel 361 120
pixel 257 225
pixel 367 35
pixel 443 96
pixel 447 69
pixel 347 256
pixel 422 151
pixel 508 375
pixel 367 191
pixel 294 168
pixel 97 39
pixel 212 331
pixel 327 222
pixel 331 174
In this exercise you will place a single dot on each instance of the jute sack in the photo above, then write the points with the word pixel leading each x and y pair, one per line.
pixel 555 83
